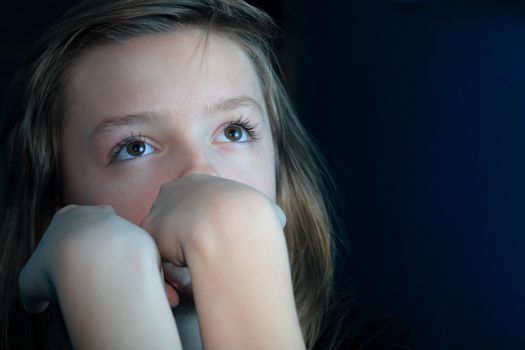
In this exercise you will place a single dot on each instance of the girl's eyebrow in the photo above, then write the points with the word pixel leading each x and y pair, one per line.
pixel 229 104
pixel 146 117
pixel 111 123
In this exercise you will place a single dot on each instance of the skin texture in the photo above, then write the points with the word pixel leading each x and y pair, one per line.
pixel 171 133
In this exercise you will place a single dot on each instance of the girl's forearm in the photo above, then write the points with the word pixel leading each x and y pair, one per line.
pixel 114 299
pixel 242 287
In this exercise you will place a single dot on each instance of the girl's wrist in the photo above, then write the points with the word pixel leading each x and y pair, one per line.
pixel 130 254
pixel 250 222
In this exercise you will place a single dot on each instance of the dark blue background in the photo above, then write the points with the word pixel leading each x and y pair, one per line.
pixel 419 108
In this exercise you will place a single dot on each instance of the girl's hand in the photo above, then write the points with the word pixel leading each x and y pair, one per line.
pixel 188 209
pixel 182 209
pixel 230 236
pixel 80 233
pixel 104 272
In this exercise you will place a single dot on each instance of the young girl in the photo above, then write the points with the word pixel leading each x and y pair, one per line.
pixel 160 192
pixel 152 154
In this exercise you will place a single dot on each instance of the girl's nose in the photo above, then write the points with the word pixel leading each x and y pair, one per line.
pixel 197 162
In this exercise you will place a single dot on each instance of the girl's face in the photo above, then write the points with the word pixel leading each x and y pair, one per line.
pixel 158 108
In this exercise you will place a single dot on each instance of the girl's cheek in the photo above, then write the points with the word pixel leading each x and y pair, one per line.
pixel 259 175
pixel 133 195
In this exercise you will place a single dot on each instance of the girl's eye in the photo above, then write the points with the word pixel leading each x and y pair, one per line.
pixel 131 148
pixel 136 148
pixel 239 131
pixel 235 133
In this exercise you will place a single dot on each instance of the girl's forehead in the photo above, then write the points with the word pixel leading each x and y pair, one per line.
pixel 179 70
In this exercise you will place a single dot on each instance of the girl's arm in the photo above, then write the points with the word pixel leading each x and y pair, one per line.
pixel 242 285
pixel 231 238
pixel 104 273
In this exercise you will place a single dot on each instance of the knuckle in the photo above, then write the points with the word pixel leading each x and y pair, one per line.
pixel 66 209
pixel 106 207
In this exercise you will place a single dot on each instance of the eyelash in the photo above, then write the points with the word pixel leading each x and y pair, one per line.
pixel 251 128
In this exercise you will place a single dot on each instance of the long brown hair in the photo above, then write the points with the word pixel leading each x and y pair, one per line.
pixel 31 129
